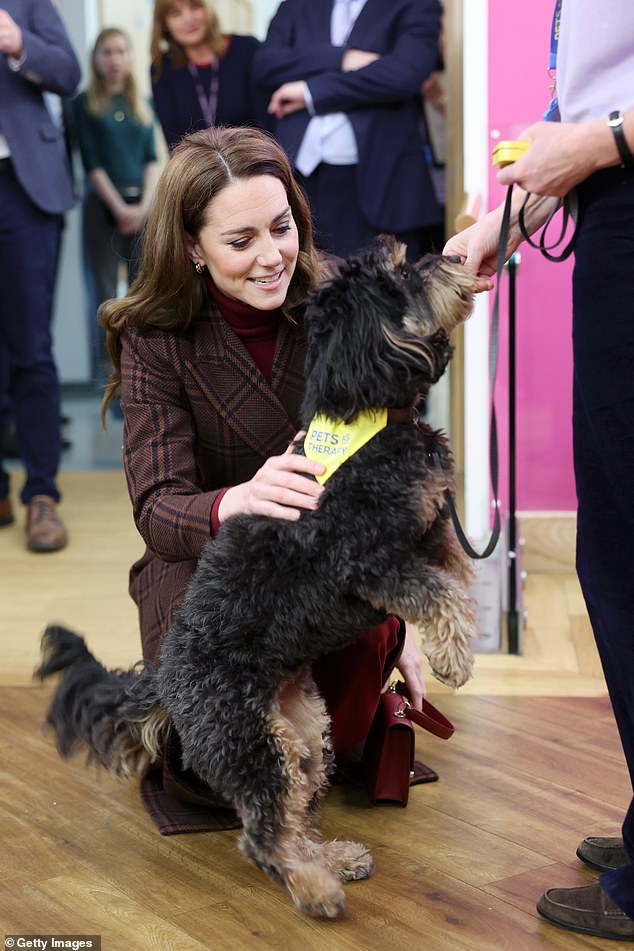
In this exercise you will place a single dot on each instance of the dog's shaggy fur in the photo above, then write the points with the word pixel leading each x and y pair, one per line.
pixel 269 596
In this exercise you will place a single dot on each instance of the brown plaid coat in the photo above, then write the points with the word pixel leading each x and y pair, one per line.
pixel 199 416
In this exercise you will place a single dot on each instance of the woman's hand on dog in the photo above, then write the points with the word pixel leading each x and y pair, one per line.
pixel 279 489
pixel 410 664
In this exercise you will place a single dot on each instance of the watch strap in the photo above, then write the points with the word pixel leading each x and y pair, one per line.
pixel 615 121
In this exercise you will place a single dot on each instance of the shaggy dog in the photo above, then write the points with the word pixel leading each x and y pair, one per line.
pixel 269 596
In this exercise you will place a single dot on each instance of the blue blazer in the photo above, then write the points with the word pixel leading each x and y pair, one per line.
pixel 382 100
pixel 38 149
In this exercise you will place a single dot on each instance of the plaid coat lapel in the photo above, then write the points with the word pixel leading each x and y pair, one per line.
pixel 263 414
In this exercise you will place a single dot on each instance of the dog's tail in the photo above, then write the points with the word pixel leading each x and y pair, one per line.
pixel 115 713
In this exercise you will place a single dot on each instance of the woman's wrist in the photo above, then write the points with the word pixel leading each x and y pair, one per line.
pixel 231 503
pixel 536 212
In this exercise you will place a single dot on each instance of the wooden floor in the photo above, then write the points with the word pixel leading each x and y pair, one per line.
pixel 534 765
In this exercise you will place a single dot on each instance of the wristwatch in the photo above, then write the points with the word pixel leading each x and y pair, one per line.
pixel 615 121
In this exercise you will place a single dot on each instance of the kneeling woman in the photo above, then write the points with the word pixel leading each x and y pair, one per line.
pixel 208 350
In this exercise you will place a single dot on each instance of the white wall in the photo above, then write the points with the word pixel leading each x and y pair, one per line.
pixel 263 11
pixel 70 327
pixel 476 384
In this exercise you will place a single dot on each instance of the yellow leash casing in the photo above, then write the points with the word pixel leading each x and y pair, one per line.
pixel 508 151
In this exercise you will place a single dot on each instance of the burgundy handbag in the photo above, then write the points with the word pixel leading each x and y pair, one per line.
pixel 388 758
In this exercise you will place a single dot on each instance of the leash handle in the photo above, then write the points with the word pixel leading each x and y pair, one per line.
pixel 570 206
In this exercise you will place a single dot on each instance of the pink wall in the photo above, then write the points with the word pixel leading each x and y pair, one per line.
pixel 519 37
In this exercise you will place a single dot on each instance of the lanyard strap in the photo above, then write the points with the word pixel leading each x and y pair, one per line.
pixel 208 102
pixel 554 35
pixel 552 113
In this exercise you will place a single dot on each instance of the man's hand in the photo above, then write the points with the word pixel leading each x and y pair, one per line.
pixel 288 98
pixel 560 155
pixel 10 36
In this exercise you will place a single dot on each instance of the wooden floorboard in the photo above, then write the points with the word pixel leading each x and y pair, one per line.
pixel 535 764
pixel 460 868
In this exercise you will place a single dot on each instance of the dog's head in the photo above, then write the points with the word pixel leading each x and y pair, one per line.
pixel 379 329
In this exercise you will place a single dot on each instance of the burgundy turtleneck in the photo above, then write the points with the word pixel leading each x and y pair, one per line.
pixel 257 329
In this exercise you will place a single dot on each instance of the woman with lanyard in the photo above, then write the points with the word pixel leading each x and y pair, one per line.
pixel 200 76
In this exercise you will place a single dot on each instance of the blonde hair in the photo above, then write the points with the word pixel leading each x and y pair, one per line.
pixel 162 44
pixel 97 95
pixel 168 293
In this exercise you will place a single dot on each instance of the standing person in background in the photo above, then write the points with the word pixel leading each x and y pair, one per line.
pixel 344 82
pixel 592 150
pixel 35 191
pixel 200 76
pixel 115 135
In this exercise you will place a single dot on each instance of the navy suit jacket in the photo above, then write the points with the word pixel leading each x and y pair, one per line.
pixel 382 100
pixel 38 150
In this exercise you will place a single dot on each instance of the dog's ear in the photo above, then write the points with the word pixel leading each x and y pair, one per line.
pixel 329 266
pixel 439 353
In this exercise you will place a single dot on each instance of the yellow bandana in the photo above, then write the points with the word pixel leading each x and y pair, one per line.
pixel 331 442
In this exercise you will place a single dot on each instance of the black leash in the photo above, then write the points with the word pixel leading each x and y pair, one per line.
pixel 570 207
pixel 493 426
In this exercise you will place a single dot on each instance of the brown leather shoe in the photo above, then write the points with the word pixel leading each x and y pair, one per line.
pixel 6 512
pixel 45 529
pixel 588 910
pixel 604 854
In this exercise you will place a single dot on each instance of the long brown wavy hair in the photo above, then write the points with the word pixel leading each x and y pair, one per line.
pixel 162 44
pixel 168 293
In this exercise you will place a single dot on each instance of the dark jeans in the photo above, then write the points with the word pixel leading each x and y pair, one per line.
pixel 603 430
pixel 29 251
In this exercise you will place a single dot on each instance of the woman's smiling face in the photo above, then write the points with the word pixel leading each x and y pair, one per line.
pixel 187 24
pixel 249 242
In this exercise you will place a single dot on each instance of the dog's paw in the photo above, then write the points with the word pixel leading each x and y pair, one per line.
pixel 450 667
pixel 350 861
pixel 316 890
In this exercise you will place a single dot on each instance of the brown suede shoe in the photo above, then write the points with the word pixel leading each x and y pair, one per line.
pixel 6 512
pixel 588 910
pixel 45 529
pixel 604 854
